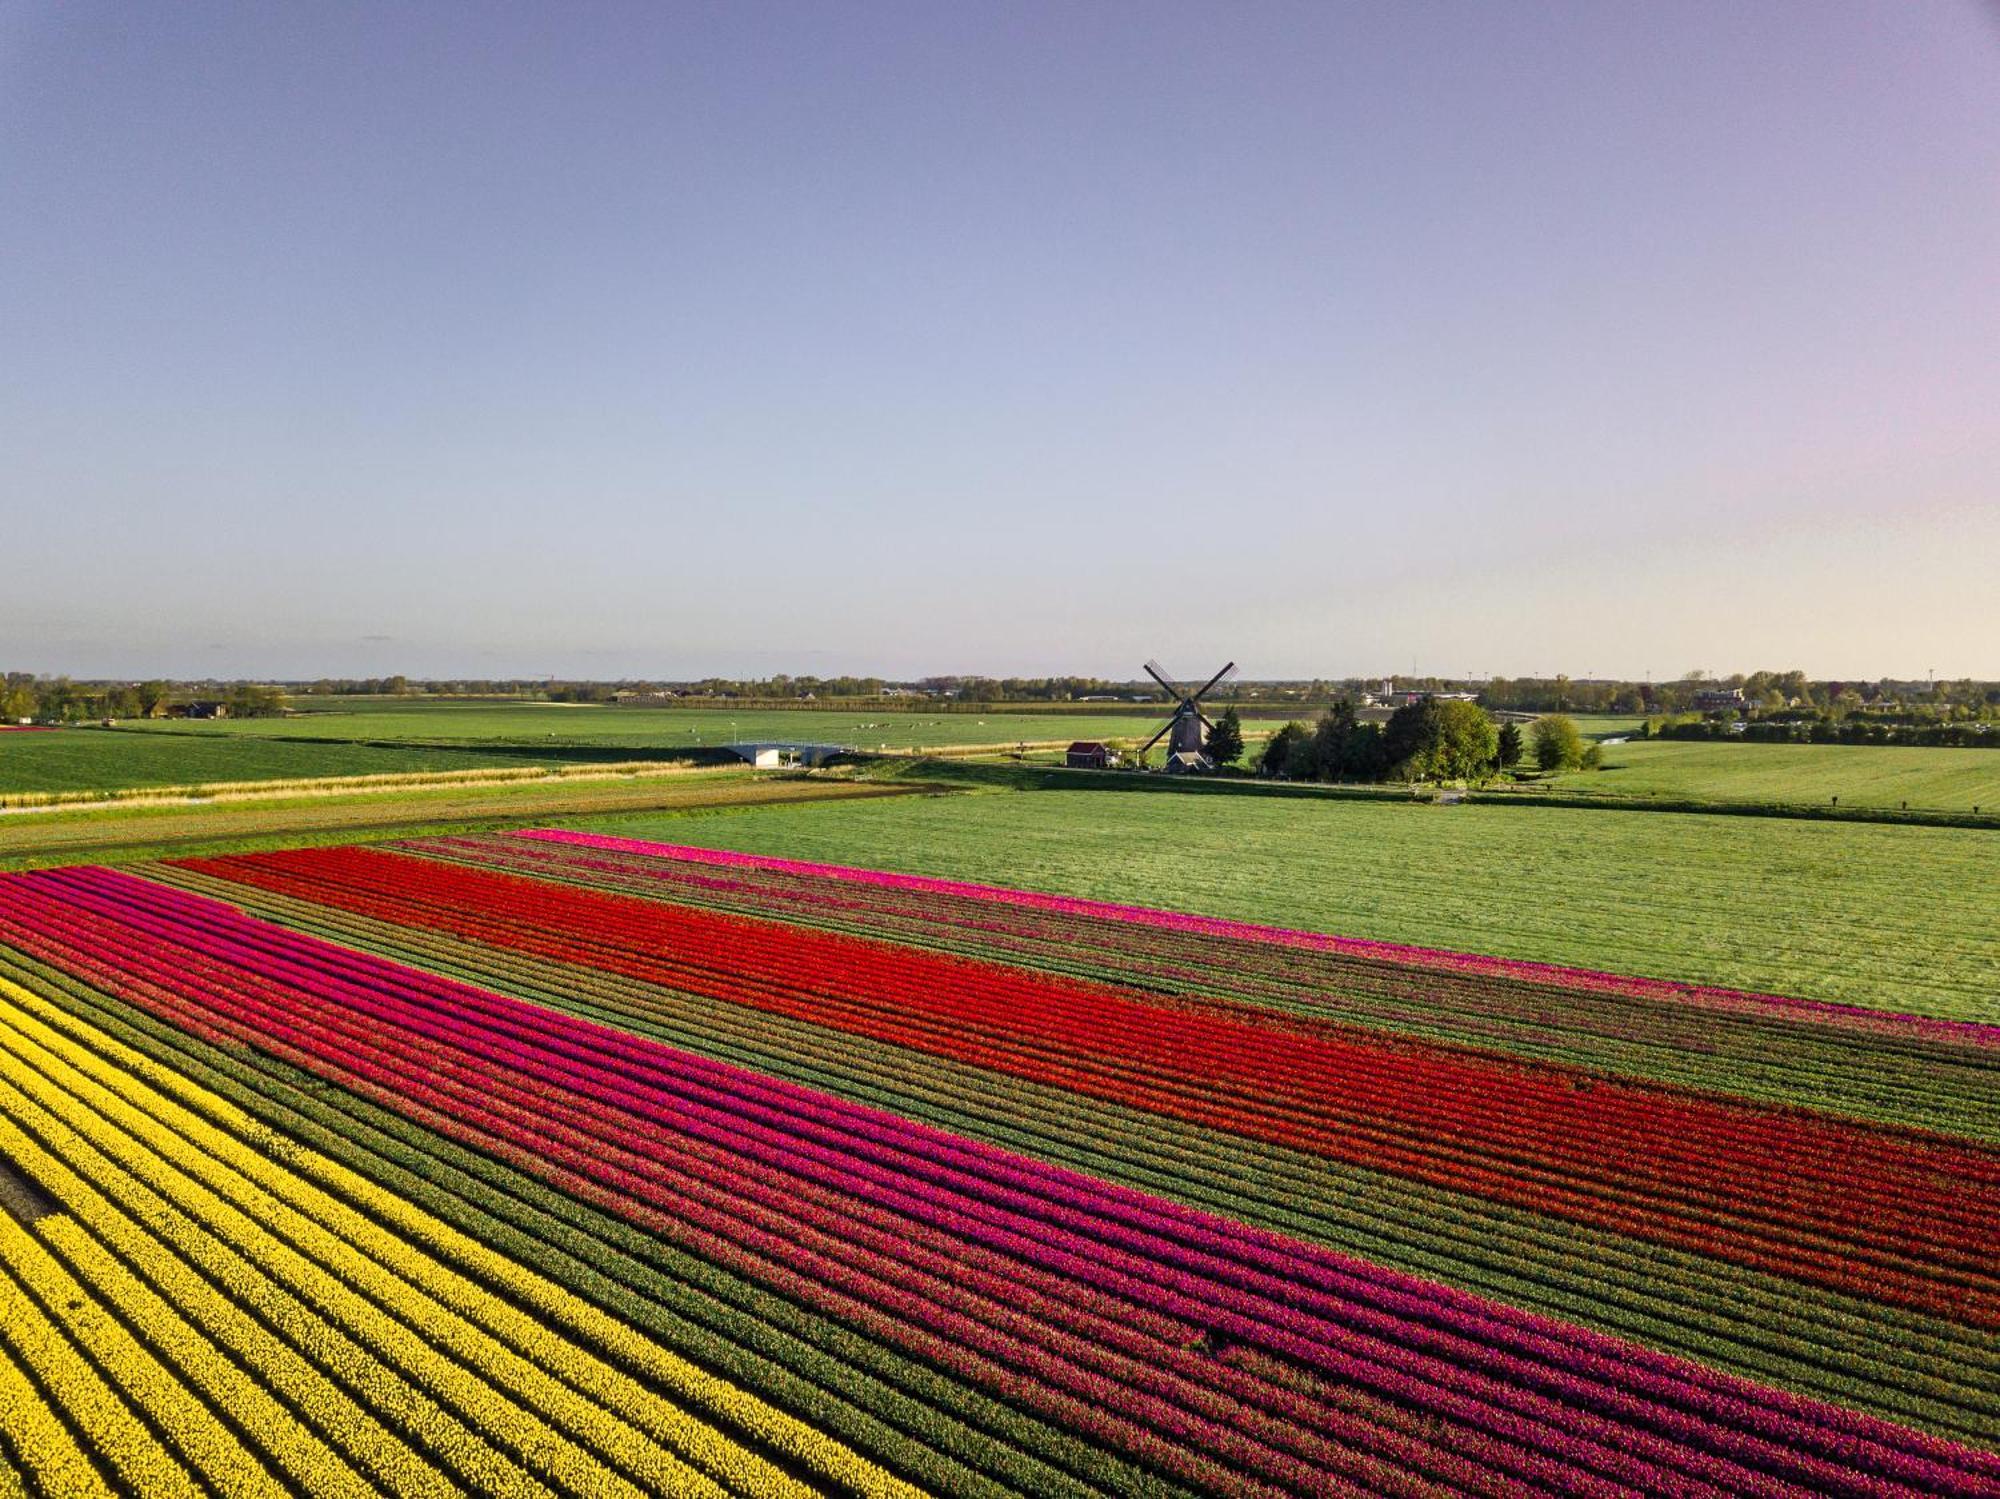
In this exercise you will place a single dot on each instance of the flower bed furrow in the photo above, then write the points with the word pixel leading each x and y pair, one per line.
pixel 657 1444
pixel 678 1299
pixel 779 1244
pixel 590 1166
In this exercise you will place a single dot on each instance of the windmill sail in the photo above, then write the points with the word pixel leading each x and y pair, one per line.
pixel 1186 750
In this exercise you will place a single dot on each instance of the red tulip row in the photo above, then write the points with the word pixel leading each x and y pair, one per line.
pixel 1169 1335
pixel 1878 1213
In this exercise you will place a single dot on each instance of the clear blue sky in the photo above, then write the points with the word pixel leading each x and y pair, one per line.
pixel 661 339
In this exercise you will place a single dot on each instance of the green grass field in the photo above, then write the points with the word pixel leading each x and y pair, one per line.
pixel 96 834
pixel 394 738
pixel 471 724
pixel 384 734
pixel 1895 918
pixel 94 759
pixel 1861 775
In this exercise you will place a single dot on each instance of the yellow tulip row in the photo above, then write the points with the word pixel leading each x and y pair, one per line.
pixel 11 1484
pixel 204 1149
pixel 219 1316
pixel 481 1386
pixel 198 1438
pixel 48 1452
pixel 503 1402
pixel 553 1307
pixel 460 1419
pixel 104 1419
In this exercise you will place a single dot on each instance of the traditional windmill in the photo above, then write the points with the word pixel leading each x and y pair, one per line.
pixel 1186 749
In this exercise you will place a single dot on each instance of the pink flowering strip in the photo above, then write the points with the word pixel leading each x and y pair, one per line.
pixel 1216 926
pixel 1046 1285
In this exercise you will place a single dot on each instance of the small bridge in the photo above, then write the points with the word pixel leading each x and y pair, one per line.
pixel 770 754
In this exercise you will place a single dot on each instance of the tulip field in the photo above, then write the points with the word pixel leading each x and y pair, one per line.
pixel 559 1162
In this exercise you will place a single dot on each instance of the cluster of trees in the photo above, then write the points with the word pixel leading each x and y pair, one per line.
pixel 373 687
pixel 253 700
pixel 1432 740
pixel 24 695
pixel 1559 745
pixel 59 700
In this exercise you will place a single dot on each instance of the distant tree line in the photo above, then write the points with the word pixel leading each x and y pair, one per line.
pixel 25 697
pixel 1762 692
pixel 1827 728
pixel 1814 711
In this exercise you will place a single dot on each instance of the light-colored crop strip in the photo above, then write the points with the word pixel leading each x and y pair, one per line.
pixel 438 1258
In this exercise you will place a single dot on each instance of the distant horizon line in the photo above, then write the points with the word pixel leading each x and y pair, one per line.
pixel 544 680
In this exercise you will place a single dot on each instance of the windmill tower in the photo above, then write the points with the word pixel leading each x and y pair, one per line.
pixel 1186 748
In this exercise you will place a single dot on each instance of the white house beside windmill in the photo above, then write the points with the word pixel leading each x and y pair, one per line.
pixel 1187 749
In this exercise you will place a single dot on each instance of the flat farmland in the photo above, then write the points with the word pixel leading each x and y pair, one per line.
pixel 381 738
pixel 1860 775
pixel 97 759
pixel 1895 918
pixel 119 832
pixel 472 724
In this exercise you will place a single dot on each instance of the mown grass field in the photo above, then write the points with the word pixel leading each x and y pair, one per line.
pixel 1861 775
pixel 116 834
pixel 1894 918
pixel 472 724
pixel 384 739
pixel 378 736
